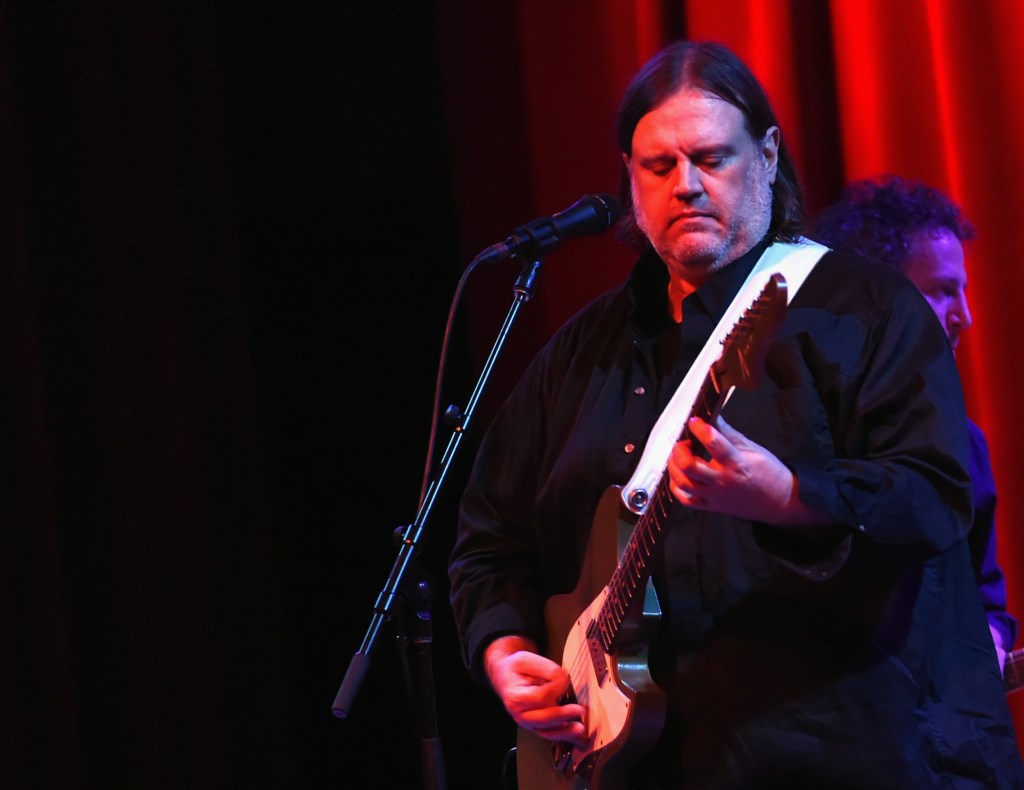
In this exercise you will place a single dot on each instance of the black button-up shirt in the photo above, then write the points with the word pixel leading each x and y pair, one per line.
pixel 855 654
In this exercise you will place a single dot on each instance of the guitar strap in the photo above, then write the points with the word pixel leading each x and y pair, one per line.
pixel 794 262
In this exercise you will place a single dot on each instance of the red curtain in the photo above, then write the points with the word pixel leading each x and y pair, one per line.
pixel 930 90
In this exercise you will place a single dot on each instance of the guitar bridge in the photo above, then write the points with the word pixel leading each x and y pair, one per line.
pixel 561 756
pixel 561 751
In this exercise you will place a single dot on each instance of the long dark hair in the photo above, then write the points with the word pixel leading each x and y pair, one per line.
pixel 714 68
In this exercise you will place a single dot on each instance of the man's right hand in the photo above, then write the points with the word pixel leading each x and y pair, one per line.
pixel 531 687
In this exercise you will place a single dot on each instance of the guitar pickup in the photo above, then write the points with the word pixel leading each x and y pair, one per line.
pixel 598 658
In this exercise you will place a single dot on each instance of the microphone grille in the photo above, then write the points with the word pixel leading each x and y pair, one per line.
pixel 610 205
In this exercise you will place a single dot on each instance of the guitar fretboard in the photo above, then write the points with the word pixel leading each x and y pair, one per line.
pixel 634 566
pixel 740 364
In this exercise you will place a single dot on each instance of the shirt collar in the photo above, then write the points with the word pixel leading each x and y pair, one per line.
pixel 648 283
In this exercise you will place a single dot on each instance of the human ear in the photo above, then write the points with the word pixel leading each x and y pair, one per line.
pixel 770 151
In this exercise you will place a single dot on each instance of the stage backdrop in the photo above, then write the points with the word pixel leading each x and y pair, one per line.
pixel 229 238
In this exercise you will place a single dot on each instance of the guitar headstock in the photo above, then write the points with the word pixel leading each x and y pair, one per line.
pixel 745 348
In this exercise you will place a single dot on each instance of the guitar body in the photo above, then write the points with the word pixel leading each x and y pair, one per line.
pixel 625 709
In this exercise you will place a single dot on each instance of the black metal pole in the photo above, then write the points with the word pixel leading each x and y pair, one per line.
pixel 397 585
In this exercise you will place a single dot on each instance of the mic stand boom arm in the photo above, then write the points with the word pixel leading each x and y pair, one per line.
pixel 409 541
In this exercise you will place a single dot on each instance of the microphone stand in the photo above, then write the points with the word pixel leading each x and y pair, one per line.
pixel 415 593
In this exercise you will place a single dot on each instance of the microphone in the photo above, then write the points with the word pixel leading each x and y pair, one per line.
pixel 591 214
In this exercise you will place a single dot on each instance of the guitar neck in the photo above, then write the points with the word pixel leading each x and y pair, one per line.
pixel 740 364
pixel 633 569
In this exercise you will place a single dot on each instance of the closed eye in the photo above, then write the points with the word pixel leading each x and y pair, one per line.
pixel 660 167
pixel 710 162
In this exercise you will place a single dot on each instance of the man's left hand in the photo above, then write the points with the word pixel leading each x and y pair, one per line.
pixel 739 478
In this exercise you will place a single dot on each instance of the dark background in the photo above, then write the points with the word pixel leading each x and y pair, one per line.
pixel 230 248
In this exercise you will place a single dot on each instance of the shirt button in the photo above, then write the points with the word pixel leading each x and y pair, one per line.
pixel 629 447
pixel 639 391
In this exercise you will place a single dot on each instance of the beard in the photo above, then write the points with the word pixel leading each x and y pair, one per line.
pixel 709 252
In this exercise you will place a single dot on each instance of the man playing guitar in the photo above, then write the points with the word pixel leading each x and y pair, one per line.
pixel 813 558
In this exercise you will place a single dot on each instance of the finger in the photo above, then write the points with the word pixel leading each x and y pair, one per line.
pixel 685 475
pixel 574 734
pixel 525 698
pixel 702 430
pixel 688 496
pixel 706 436
pixel 553 716
pixel 679 458
pixel 721 440
pixel 539 667
pixel 695 478
pixel 533 696
pixel 682 452
pixel 562 723
pixel 728 431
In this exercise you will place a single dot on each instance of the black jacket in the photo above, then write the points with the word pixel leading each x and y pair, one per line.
pixel 852 656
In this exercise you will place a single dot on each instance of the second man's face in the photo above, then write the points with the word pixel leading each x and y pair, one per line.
pixel 701 186
pixel 936 267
